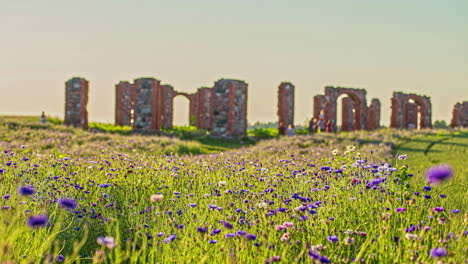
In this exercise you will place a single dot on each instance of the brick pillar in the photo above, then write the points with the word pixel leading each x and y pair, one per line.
pixel 347 114
pixel 373 115
pixel 124 102
pixel 146 104
pixel 229 102
pixel 285 106
pixel 166 105
pixel 412 111
pixel 204 109
pixel 76 101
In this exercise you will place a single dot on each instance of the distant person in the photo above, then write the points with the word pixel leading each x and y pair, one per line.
pixel 43 117
pixel 329 126
pixel 322 122
pixel 291 131
pixel 313 125
pixel 281 129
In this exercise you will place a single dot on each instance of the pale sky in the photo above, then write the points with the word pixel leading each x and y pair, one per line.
pixel 418 46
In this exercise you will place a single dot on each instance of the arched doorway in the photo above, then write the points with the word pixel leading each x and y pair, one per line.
pixel 182 110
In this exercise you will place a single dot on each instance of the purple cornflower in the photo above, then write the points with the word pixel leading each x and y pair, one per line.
pixel 228 225
pixel 60 258
pixel 455 211
pixel 402 157
pixel 213 241
pixel 6 197
pixel 241 233
pixel 202 229
pixel 438 252
pixel 438 174
pixel 229 235
pixel 332 239
pixel 37 221
pixel 251 237
pixel 26 191
pixel 438 209
pixel 169 238
pixel 427 188
pixel 400 209
pixel 324 259
pixel 68 204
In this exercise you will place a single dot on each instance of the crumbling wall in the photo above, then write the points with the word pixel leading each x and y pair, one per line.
pixel 347 114
pixel 460 115
pixel 76 101
pixel 146 117
pixel 124 103
pixel 204 109
pixel 328 104
pixel 285 106
pixel 165 106
pixel 229 103
pixel 373 115
pixel 404 113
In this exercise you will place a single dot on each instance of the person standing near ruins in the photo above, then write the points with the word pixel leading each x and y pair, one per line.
pixel 291 131
pixel 281 129
pixel 322 122
pixel 329 126
pixel 43 117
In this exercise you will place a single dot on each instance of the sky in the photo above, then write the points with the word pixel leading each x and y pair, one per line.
pixel 417 46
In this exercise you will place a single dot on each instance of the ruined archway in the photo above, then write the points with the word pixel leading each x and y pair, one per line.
pixel 460 115
pixel 405 110
pixel 191 116
pixel 355 110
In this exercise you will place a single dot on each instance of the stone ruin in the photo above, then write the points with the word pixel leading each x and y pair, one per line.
pixel 76 101
pixel 460 115
pixel 229 103
pixel 285 106
pixel 355 113
pixel 147 105
pixel 124 103
pixel 405 110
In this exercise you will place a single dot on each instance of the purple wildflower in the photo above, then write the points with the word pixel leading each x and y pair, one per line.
pixel 455 211
pixel 202 229
pixel 437 174
pixel 228 225
pixel 438 252
pixel 332 239
pixel 400 209
pixel 169 239
pixel 26 191
pixel 37 221
pixel 60 258
pixel 68 204
pixel 438 209
pixel 251 237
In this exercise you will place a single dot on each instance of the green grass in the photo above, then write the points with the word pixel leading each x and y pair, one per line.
pixel 113 176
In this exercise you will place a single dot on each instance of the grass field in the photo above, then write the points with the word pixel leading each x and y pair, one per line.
pixel 111 198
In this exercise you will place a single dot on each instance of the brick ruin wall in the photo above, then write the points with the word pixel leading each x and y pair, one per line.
pixel 76 101
pixel 347 114
pixel 204 108
pixel 124 101
pixel 229 103
pixel 405 113
pixel 373 115
pixel 460 115
pixel 165 109
pixel 355 114
pixel 146 104
pixel 285 106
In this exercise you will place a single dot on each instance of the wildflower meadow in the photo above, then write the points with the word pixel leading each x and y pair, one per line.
pixel 70 196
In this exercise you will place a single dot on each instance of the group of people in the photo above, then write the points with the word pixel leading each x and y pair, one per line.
pixel 315 126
